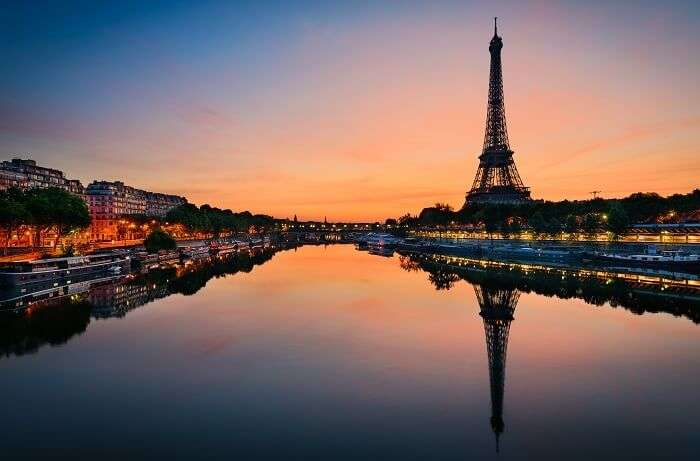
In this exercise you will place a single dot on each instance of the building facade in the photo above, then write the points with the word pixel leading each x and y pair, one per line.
pixel 113 200
pixel 158 204
pixel 26 174
pixel 10 179
pixel 111 203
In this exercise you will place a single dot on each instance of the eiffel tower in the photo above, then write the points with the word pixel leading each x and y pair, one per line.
pixel 497 308
pixel 497 180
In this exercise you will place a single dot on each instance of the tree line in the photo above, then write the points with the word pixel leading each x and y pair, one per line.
pixel 550 218
pixel 40 211
pixel 215 221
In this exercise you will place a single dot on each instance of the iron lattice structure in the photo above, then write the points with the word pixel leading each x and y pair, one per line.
pixel 497 179
pixel 497 308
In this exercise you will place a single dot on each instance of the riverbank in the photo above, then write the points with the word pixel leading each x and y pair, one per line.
pixel 581 245
pixel 31 254
pixel 676 259
pixel 671 234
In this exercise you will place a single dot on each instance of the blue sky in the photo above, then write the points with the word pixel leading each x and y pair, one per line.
pixel 221 100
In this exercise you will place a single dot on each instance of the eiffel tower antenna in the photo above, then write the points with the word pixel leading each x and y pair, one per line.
pixel 497 179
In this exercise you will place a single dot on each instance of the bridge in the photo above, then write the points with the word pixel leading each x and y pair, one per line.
pixel 324 232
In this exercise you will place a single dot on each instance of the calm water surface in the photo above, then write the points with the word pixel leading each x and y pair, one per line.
pixel 331 353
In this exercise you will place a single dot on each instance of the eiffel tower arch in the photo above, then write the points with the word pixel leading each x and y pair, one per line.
pixel 497 179
pixel 497 306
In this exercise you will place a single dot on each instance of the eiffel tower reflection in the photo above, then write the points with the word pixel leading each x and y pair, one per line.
pixel 497 306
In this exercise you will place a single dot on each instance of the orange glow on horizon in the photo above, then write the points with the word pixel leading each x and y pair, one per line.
pixel 374 118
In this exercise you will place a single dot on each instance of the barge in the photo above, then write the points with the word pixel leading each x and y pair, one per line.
pixel 666 258
pixel 528 253
pixel 55 269
pixel 199 252
pixel 22 296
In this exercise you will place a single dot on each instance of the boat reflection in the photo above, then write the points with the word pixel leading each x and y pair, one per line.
pixel 36 327
pixel 55 314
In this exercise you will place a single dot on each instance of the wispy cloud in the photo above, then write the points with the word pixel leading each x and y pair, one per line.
pixel 627 137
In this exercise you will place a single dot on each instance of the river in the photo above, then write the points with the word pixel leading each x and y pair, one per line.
pixel 332 353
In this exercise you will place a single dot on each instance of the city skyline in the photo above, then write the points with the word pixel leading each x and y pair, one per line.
pixel 359 113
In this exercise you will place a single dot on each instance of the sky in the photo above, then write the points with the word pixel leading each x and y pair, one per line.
pixel 352 110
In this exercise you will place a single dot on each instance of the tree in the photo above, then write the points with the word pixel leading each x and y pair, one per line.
pixel 553 228
pixel 406 220
pixel 189 216
pixel 591 224
pixel 58 209
pixel 618 220
pixel 437 215
pixel 443 279
pixel 159 240
pixel 443 207
pixel 515 228
pixel 39 213
pixel 218 221
pixel 13 214
pixel 408 264
pixel 639 207
pixel 537 224
pixel 571 226
pixel 491 217
pixel 505 229
pixel 70 212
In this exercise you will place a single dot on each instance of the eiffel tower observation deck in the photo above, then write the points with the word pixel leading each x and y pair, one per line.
pixel 497 179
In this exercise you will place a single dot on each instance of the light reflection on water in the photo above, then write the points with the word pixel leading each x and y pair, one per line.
pixel 333 353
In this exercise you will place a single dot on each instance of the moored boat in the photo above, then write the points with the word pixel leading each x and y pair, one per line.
pixel 528 253
pixel 197 252
pixel 241 245
pixel 146 260
pixel 666 258
pixel 154 260
pixel 42 270
pixel 165 256
pixel 22 296
pixel 373 240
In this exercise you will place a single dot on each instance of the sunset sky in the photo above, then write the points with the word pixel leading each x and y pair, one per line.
pixel 351 110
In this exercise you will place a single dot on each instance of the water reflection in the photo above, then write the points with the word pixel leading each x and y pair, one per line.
pixel 33 324
pixel 498 287
pixel 497 306
pixel 637 293
pixel 116 299
pixel 36 327
pixel 332 353
pixel 54 315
